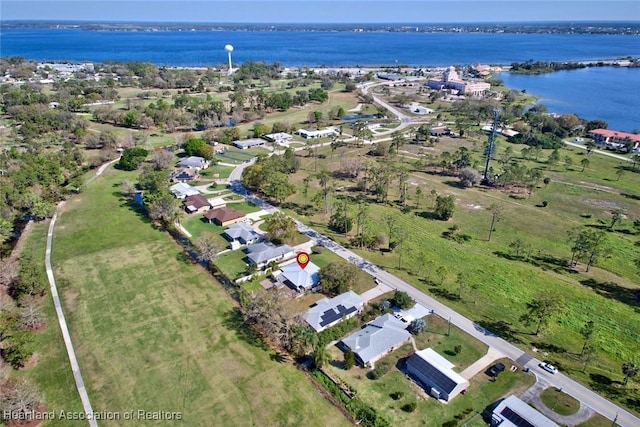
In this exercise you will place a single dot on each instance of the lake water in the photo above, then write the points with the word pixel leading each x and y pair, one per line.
pixel 608 93
pixel 611 94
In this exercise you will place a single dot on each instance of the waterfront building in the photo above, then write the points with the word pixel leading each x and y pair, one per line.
pixel 451 80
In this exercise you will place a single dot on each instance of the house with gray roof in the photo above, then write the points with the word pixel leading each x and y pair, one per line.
pixel 263 253
pixel 436 374
pixel 195 162
pixel 182 190
pixel 297 278
pixel 328 312
pixel 240 234
pixel 248 143
pixel 377 339
pixel 513 412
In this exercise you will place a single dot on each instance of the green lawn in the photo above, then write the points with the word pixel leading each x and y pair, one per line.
pixel 559 402
pixel 153 331
pixel 232 264
pixel 497 286
pixel 222 171
pixel 52 373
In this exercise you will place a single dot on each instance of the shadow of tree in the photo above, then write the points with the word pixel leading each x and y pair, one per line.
pixel 499 328
pixel 614 291
pixel 545 262
pixel 605 385
pixel 278 357
pixel 443 293
pixel 551 348
pixel 427 215
pixel 234 321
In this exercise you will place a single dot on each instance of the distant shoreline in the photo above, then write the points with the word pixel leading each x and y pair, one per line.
pixel 581 27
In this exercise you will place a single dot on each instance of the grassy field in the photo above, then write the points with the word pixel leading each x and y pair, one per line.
pixel 497 285
pixel 153 331
pixel 52 373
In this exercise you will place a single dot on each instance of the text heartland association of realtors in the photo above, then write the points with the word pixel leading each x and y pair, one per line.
pixel 134 415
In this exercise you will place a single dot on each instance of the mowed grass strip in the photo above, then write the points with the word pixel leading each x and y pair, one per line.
pixel 154 332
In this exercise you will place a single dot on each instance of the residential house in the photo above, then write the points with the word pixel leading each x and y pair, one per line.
pixel 196 204
pixel 264 253
pixel 615 140
pixel 513 412
pixel 440 130
pixel 279 137
pixel 182 190
pixel 184 175
pixel 317 133
pixel 225 216
pixel 240 234
pixel 195 162
pixel 328 312
pixel 377 339
pixel 248 143
pixel 298 278
pixel 436 374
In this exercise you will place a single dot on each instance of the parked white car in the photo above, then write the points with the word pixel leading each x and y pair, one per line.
pixel 549 367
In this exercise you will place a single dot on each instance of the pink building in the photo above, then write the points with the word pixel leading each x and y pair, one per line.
pixel 614 139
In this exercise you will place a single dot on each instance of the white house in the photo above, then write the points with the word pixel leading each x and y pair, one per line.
pixel 317 133
pixel 194 162
pixel 182 190
pixel 298 278
pixel 513 412
pixel 263 253
pixel 328 312
pixel 377 339
pixel 436 374
pixel 278 137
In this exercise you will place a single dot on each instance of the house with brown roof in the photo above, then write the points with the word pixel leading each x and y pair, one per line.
pixel 224 216
pixel 196 204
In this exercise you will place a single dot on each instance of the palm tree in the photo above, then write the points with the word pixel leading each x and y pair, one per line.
pixel 590 145
pixel 584 163
pixel 630 370
pixel 321 356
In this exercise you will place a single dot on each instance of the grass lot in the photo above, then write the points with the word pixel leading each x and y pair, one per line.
pixel 153 331
pixel 52 373
pixel 222 171
pixel 438 337
pixel 559 402
pixel 498 285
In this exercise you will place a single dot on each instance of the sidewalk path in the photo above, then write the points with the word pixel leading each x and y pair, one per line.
pixel 75 367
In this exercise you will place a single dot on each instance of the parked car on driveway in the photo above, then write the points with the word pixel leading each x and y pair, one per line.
pixel 549 367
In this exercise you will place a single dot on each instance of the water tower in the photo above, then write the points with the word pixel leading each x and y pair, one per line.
pixel 228 48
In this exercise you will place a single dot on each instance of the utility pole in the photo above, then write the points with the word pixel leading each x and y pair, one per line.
pixel 489 153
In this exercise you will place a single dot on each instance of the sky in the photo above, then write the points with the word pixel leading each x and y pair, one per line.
pixel 322 11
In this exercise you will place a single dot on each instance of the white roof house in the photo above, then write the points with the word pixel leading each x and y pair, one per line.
pixel 317 133
pixel 327 312
pixel 182 190
pixel 194 162
pixel 248 143
pixel 278 137
pixel 513 412
pixel 241 233
pixel 263 253
pixel 298 278
pixel 378 338
pixel 436 374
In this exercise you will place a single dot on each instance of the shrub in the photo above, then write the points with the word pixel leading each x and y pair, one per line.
pixel 457 349
pixel 545 203
pixel 410 407
pixel 397 395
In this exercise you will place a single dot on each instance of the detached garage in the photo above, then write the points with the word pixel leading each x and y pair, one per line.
pixel 436 374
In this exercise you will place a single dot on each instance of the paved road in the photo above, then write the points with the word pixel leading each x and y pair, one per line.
pixel 604 153
pixel 75 367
